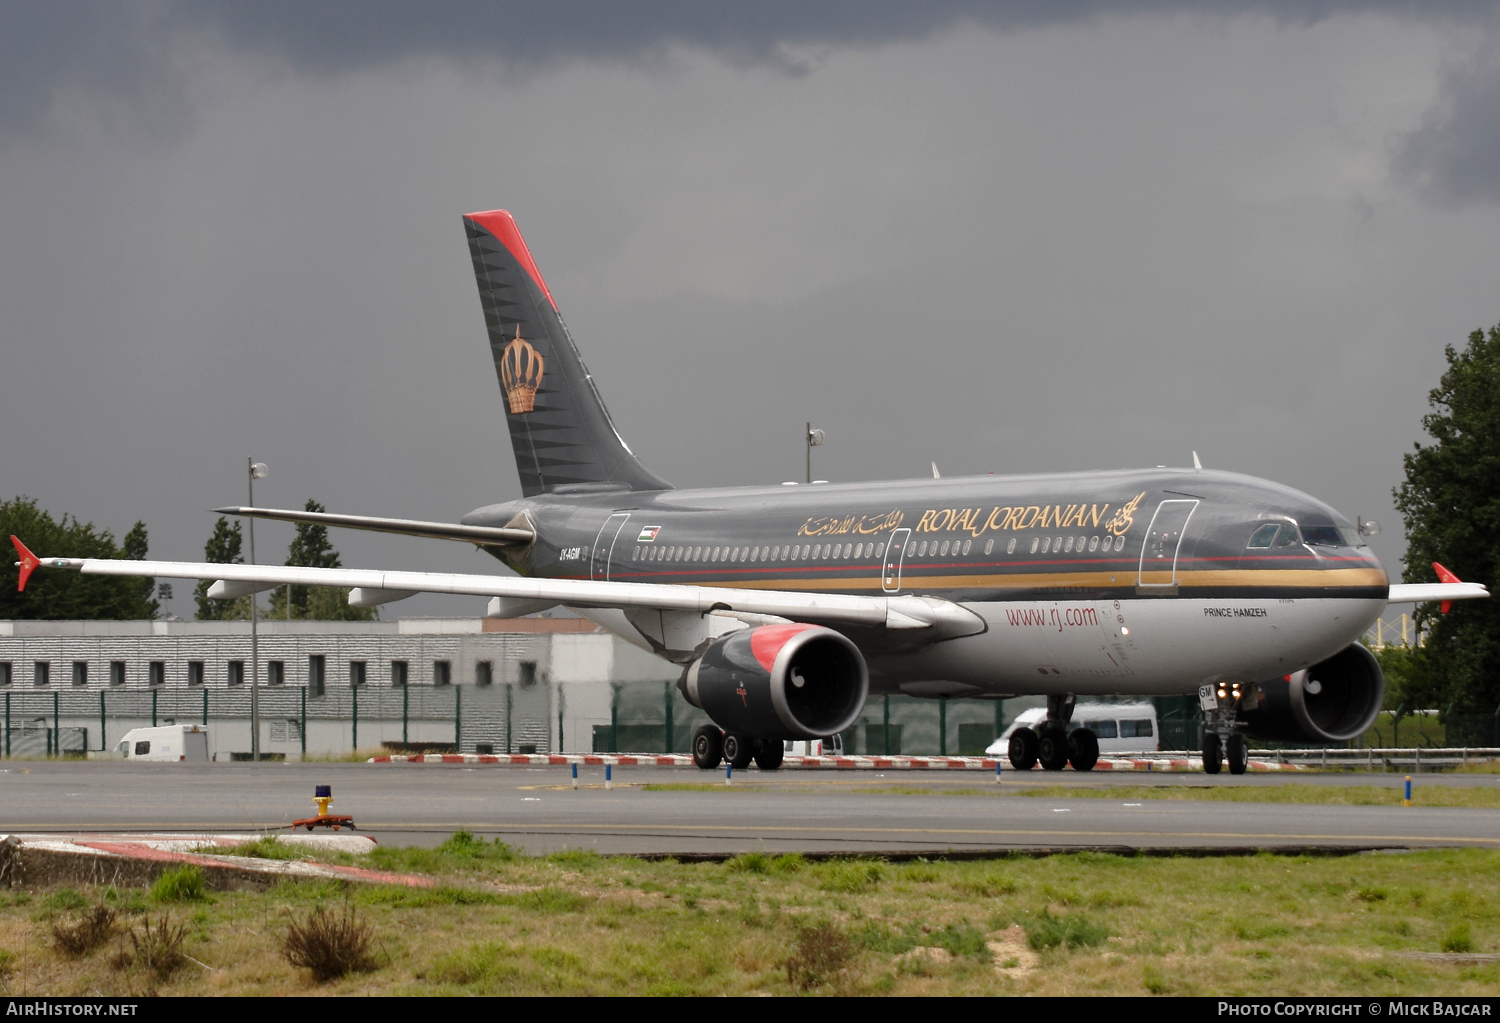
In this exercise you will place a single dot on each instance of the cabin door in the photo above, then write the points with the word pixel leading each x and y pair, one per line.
pixel 895 556
pixel 1163 537
pixel 604 545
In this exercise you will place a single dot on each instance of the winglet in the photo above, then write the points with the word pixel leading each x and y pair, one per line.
pixel 1445 576
pixel 28 563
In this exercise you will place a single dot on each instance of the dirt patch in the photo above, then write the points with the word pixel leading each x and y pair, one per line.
pixel 1012 956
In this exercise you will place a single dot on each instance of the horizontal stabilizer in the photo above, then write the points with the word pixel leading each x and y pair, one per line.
pixel 483 535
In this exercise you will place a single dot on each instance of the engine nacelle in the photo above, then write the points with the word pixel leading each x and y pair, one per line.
pixel 1333 701
pixel 790 681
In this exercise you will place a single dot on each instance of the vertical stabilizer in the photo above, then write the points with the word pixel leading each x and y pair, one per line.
pixel 559 428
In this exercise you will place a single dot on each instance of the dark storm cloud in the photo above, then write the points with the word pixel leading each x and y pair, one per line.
pixel 1455 154
pixel 133 52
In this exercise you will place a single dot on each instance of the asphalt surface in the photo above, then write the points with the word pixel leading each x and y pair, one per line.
pixel 809 811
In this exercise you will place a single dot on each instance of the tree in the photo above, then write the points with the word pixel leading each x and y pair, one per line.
pixel 311 549
pixel 59 595
pixel 223 548
pixel 1451 504
pixel 136 547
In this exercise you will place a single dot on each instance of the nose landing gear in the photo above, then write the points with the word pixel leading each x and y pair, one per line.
pixel 1221 735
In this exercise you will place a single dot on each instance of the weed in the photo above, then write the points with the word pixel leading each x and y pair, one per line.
pixel 820 955
pixel 66 899
pixel 266 847
pixel 556 900
pixel 1372 893
pixel 179 884
pixel 921 872
pixel 1154 980
pixel 1253 930
pixel 156 949
pixel 463 845
pixel 789 863
pixel 401 897
pixel 484 961
pixel 751 863
pixel 330 944
pixel 989 885
pixel 86 933
pixel 1048 931
pixel 878 938
pixel 1458 938
pixel 852 875
pixel 576 858
pixel 960 939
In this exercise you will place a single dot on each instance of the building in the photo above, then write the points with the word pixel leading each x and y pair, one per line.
pixel 528 685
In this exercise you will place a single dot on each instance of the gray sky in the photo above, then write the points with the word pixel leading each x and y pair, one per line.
pixel 1006 237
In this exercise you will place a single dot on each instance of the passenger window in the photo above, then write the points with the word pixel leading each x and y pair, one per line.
pixel 1119 543
pixel 1069 547
pixel 143 747
pixel 1046 544
pixel 1263 537
pixel 1034 543
pixel 1010 548
pixel 879 548
pixel 1093 543
pixel 989 545
pixel 945 548
pixel 1081 539
pixel 804 552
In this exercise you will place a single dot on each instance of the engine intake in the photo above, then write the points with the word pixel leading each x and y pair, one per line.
pixel 1333 701
pixel 791 681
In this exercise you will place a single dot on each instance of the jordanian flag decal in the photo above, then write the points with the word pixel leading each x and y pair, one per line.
pixel 648 534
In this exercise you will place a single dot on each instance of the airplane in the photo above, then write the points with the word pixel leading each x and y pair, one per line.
pixel 810 598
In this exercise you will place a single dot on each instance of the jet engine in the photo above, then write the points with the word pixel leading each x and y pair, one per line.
pixel 1333 701
pixel 792 681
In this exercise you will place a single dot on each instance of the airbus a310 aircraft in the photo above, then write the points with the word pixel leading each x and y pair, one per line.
pixel 805 600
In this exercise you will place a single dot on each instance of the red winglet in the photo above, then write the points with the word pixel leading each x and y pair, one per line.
pixel 29 563
pixel 1445 576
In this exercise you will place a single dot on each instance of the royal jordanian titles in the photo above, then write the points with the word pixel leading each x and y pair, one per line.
pixel 788 607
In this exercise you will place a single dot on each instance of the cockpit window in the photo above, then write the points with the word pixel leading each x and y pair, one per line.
pixel 1331 536
pixel 1263 537
pixel 1289 536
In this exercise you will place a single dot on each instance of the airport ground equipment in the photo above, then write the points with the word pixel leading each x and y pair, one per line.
pixel 322 796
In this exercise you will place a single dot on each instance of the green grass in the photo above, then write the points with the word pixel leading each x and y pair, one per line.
pixel 180 884
pixel 500 922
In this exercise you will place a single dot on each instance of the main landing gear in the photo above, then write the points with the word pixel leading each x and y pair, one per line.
pixel 711 747
pixel 1054 744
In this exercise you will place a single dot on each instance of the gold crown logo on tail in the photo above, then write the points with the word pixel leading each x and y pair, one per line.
pixel 521 368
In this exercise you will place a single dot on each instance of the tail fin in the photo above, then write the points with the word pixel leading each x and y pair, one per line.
pixel 560 430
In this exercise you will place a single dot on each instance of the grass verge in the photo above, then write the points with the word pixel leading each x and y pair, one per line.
pixel 500 922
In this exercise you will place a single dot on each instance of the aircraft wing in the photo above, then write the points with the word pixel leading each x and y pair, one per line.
pixel 1404 592
pixel 1448 589
pixel 484 535
pixel 942 617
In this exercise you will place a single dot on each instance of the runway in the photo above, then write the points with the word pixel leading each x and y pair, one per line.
pixel 817 812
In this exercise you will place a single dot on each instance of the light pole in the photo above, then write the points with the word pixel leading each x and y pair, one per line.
pixel 258 471
pixel 814 438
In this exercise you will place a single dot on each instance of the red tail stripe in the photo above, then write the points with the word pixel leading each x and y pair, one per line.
pixel 503 226
pixel 29 563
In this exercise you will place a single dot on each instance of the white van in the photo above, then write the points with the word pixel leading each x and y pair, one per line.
pixel 169 743
pixel 1121 727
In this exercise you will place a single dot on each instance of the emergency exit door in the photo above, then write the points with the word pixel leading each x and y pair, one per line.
pixel 1163 539
pixel 895 556
pixel 604 545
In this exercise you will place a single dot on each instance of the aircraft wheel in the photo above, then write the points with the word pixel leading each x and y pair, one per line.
pixel 1052 748
pixel 708 747
pixel 1083 749
pixel 1023 749
pixel 738 750
pixel 1239 754
pixel 1213 754
pixel 768 754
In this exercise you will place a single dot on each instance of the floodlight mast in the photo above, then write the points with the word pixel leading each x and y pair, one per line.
pixel 257 471
pixel 813 438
